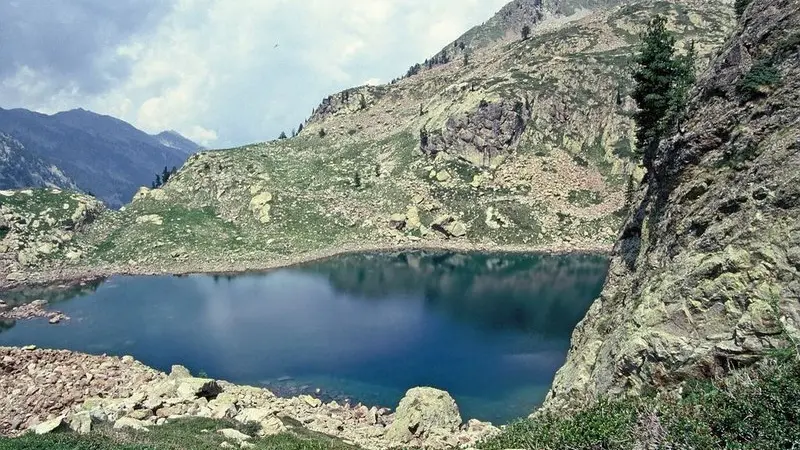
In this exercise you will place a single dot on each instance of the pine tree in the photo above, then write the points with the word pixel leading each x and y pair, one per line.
pixel 299 128
pixel 526 32
pixel 282 135
pixel 661 83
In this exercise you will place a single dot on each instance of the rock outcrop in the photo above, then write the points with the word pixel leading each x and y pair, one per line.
pixel 40 225
pixel 706 274
pixel 483 137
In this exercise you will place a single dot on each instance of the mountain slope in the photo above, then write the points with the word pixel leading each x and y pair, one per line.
pixel 19 168
pixel 526 147
pixel 173 139
pixel 706 275
pixel 103 155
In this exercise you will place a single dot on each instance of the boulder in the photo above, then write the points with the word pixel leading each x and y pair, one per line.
pixel 412 218
pixel 272 426
pixel 191 388
pixel 254 415
pixel 259 206
pixel 423 411
pixel 443 176
pixel 140 414
pixel 49 426
pixel 397 221
pixel 179 372
pixel 153 219
pixel 235 435
pixel 449 226
pixel 81 422
pixel 129 423
pixel 311 401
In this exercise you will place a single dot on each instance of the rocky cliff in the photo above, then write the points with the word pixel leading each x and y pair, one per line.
pixel 706 274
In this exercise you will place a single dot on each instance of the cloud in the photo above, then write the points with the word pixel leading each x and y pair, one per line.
pixel 223 72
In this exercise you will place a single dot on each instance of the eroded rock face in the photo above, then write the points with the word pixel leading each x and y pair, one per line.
pixel 705 276
pixel 484 136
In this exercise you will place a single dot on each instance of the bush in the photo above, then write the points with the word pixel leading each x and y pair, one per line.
pixel 761 78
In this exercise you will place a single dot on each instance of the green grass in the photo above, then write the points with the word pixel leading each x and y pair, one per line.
pixel 195 434
pixel 756 408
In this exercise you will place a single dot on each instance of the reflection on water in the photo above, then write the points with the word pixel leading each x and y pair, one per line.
pixel 491 329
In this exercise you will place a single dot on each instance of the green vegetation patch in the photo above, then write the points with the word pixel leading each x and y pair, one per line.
pixel 757 408
pixel 759 81
pixel 195 434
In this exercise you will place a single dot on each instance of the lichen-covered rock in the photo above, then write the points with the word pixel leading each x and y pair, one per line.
pixel 49 426
pixel 703 278
pixel 422 411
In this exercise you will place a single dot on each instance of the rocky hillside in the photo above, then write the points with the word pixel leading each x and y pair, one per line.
pixel 20 168
pixel 525 145
pixel 39 227
pixel 102 155
pixel 706 275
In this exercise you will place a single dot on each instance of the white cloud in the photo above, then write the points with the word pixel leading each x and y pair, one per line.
pixel 211 70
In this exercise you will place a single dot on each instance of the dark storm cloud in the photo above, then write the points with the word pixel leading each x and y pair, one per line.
pixel 71 43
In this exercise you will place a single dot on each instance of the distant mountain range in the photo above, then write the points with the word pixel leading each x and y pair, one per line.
pixel 95 153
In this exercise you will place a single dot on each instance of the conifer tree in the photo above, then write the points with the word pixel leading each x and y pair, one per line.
pixel 662 81
pixel 526 32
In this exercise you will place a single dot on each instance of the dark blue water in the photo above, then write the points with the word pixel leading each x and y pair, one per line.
pixel 490 329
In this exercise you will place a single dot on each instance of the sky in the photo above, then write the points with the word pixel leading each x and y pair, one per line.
pixel 221 72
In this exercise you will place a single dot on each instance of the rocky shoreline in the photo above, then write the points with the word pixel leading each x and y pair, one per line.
pixel 33 310
pixel 73 276
pixel 49 390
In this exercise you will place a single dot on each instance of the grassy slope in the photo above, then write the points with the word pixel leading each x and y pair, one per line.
pixel 195 434
pixel 753 409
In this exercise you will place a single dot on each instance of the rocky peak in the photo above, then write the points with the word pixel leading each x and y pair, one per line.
pixel 706 275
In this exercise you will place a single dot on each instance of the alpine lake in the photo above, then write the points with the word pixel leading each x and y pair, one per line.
pixel 491 329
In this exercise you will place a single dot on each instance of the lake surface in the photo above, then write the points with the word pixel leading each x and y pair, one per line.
pixel 490 329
